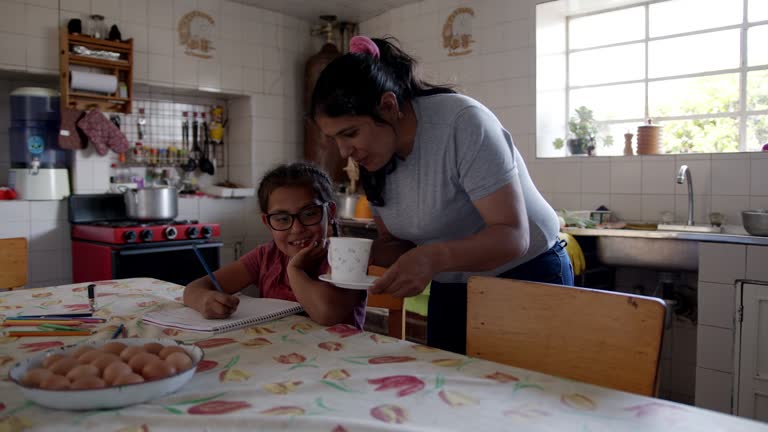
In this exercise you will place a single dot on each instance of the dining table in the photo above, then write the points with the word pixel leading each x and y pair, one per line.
pixel 295 374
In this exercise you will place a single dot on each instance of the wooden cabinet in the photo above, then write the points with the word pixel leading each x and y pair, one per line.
pixel 121 68
pixel 752 361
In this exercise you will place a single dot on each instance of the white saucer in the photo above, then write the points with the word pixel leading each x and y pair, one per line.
pixel 364 285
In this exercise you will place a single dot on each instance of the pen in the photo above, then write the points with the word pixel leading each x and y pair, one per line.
pixel 207 270
pixel 57 320
pixel 58 327
pixel 118 331
pixel 56 316
pixel 48 333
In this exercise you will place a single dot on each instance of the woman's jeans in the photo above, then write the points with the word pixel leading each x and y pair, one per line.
pixel 447 317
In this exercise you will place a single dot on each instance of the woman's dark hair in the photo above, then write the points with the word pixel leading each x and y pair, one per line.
pixel 352 85
pixel 301 174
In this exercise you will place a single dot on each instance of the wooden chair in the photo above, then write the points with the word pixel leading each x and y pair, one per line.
pixel 396 307
pixel 604 338
pixel 13 263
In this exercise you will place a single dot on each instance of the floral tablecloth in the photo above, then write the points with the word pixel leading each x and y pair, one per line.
pixel 293 374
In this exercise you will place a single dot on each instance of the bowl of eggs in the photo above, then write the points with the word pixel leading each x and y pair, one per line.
pixel 106 374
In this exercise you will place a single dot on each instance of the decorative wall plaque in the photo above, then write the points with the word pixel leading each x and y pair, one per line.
pixel 457 32
pixel 196 34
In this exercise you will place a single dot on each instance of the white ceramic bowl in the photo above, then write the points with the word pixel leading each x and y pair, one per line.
pixel 110 397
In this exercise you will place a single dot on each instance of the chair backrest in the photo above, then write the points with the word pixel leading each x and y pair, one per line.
pixel 13 262
pixel 603 338
pixel 396 307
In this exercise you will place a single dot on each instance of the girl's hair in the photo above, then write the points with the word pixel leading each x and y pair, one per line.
pixel 352 85
pixel 300 174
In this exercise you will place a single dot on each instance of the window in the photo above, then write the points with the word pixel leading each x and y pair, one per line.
pixel 697 67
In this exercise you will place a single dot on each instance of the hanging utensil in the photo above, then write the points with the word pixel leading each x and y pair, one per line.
pixel 206 165
pixel 190 165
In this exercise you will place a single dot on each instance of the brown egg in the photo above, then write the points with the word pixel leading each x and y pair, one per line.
pixel 90 356
pixel 116 370
pixel 105 360
pixel 114 347
pixel 63 366
pixel 35 376
pixel 179 360
pixel 130 352
pixel 82 370
pixel 51 359
pixel 157 369
pixel 82 350
pixel 140 360
pixel 88 383
pixel 55 382
pixel 153 347
pixel 165 352
pixel 130 378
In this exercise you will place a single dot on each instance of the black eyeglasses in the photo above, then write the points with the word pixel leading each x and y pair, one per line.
pixel 308 216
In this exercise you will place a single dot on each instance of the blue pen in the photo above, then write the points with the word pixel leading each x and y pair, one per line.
pixel 118 331
pixel 207 270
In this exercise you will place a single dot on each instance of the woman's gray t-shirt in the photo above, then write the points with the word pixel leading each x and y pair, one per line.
pixel 461 154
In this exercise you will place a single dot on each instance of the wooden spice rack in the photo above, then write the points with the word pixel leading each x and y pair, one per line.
pixel 122 69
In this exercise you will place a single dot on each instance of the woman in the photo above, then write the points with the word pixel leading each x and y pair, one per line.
pixel 442 173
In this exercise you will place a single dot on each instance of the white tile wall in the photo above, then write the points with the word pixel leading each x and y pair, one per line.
pixel 722 263
pixel 716 304
pixel 757 263
pixel 714 390
pixel 717 353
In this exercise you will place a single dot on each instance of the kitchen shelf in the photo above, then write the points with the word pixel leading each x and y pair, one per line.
pixel 122 69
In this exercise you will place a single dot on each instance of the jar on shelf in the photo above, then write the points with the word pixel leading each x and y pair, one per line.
pixel 97 28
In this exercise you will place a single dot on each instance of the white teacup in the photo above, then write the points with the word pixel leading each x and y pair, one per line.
pixel 348 257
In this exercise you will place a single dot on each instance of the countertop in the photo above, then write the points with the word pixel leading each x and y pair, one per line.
pixel 729 236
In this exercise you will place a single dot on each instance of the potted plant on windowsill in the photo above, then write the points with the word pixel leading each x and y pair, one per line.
pixel 583 134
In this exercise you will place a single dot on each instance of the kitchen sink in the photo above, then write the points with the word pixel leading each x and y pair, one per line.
pixel 690 228
pixel 654 253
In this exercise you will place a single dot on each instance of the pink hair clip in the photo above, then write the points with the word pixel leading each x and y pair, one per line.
pixel 364 45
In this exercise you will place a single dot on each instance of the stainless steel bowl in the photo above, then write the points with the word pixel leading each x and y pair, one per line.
pixel 755 221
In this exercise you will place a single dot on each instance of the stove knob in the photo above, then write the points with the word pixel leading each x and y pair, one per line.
pixel 146 235
pixel 129 236
pixel 207 231
pixel 170 233
pixel 192 232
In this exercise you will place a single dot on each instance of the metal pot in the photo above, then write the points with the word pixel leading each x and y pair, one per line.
pixel 346 204
pixel 756 221
pixel 155 203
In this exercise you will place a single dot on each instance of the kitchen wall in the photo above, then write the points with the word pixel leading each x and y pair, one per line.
pixel 501 72
pixel 257 67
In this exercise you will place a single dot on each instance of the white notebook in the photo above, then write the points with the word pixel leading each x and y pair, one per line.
pixel 250 311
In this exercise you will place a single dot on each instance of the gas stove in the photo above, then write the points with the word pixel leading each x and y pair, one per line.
pixel 130 232
pixel 108 245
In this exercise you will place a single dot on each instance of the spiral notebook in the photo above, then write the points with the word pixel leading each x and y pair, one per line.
pixel 250 311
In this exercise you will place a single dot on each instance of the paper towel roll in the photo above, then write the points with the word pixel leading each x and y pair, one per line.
pixel 93 82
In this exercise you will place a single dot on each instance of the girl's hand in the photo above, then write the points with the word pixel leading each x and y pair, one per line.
pixel 217 305
pixel 308 257
pixel 408 276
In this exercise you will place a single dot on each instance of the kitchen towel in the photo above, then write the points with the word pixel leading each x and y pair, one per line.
pixel 72 137
pixel 103 133
pixel 93 82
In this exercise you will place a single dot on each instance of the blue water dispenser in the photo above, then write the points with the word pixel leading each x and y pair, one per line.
pixel 39 167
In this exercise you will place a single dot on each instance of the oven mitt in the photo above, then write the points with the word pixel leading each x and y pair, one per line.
pixel 71 137
pixel 103 133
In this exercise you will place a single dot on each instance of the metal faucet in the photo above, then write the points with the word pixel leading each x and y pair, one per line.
pixel 685 175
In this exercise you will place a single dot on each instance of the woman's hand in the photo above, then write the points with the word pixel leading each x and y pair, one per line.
pixel 217 305
pixel 408 276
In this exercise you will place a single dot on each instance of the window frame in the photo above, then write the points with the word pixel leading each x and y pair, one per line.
pixel 743 70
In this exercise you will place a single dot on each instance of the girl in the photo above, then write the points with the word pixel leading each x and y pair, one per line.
pixel 297 207
pixel 441 172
